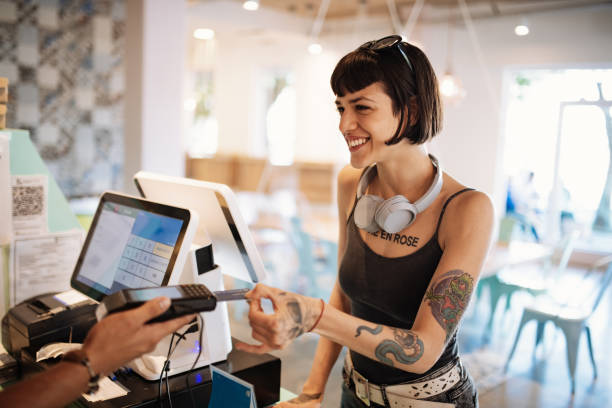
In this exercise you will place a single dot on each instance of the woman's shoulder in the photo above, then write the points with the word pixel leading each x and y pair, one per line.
pixel 465 200
pixel 466 206
pixel 348 178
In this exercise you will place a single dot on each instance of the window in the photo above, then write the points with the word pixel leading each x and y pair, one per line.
pixel 279 100
pixel 556 132
pixel 203 130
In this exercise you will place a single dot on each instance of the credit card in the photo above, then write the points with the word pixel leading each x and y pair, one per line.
pixel 232 294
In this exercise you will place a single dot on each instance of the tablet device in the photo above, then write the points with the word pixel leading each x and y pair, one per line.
pixel 132 243
pixel 220 220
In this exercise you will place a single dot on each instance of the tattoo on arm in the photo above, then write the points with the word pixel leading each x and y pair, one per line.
pixel 375 330
pixel 297 318
pixel 407 348
pixel 449 297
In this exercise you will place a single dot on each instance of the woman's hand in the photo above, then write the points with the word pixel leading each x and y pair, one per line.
pixel 293 315
pixel 121 337
pixel 304 400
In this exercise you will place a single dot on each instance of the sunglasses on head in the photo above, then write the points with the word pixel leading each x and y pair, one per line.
pixel 392 41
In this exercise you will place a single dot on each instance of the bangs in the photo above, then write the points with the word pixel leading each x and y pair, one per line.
pixel 354 72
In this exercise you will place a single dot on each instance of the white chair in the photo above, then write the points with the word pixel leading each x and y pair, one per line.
pixel 571 316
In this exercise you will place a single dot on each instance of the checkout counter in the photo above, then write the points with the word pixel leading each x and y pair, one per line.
pixel 43 320
pixel 138 243
pixel 262 371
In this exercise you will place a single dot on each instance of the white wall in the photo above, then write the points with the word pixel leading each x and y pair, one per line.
pixel 163 69
pixel 470 146
pixel 472 141
pixel 248 45
pixel 155 66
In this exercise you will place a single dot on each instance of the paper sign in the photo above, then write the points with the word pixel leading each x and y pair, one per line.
pixel 44 263
pixel 229 391
pixel 30 204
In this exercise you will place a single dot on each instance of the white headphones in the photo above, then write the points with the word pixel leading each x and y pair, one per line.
pixel 373 213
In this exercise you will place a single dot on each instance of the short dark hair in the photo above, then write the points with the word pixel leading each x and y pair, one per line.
pixel 363 67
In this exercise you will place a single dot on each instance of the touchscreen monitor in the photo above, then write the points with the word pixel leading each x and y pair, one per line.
pixel 132 243
pixel 220 220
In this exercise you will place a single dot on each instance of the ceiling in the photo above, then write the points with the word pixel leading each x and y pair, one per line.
pixel 433 10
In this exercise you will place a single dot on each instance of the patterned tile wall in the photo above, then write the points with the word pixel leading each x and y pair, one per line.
pixel 65 63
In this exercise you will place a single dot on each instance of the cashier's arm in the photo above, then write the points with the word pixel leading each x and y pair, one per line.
pixel 465 235
pixel 111 343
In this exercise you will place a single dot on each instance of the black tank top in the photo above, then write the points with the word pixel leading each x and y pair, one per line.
pixel 389 291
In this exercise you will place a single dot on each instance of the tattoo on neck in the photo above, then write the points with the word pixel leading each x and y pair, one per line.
pixel 449 297
pixel 375 330
pixel 407 348
pixel 401 239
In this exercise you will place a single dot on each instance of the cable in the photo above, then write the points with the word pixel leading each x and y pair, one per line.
pixel 395 19
pixel 161 374
pixel 467 19
pixel 317 25
pixel 168 385
pixel 196 360
pixel 415 11
pixel 166 367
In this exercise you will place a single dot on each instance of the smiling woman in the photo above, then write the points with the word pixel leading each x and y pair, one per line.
pixel 412 243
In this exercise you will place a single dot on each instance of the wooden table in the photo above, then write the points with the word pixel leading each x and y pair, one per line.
pixel 513 254
pixel 502 256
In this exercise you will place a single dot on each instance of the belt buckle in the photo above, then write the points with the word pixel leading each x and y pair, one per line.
pixel 362 388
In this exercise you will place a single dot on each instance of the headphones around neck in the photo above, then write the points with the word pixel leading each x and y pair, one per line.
pixel 373 213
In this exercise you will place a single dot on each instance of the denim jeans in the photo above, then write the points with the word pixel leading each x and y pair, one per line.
pixel 463 394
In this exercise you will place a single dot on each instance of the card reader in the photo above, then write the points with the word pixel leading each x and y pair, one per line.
pixel 186 299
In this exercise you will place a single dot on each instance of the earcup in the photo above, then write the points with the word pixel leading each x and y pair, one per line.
pixel 395 214
pixel 364 212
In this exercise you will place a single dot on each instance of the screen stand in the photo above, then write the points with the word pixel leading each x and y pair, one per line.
pixel 216 337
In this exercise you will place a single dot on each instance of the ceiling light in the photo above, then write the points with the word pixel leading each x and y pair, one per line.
pixel 251 5
pixel 315 49
pixel 451 88
pixel 521 30
pixel 204 34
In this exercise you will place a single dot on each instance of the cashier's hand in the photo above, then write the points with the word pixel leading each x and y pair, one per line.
pixel 121 337
pixel 293 315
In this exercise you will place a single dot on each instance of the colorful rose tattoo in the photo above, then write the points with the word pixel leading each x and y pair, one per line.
pixel 449 297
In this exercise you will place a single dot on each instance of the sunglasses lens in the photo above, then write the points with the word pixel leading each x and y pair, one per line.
pixel 386 42
pixel 369 45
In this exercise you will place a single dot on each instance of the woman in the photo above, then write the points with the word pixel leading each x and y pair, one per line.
pixel 406 273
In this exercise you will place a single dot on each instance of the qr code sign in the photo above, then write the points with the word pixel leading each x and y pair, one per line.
pixel 28 200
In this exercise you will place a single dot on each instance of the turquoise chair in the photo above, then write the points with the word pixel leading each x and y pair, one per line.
pixel 534 280
pixel 507 229
pixel 571 316
pixel 318 260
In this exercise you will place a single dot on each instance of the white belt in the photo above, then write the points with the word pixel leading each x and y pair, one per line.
pixel 403 395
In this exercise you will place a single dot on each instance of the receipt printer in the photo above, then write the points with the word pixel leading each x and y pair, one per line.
pixel 44 319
